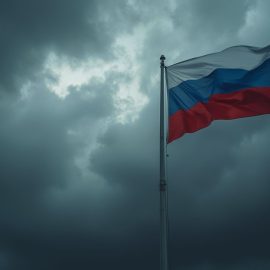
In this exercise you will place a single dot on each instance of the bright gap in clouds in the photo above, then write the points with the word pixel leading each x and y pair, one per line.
pixel 63 74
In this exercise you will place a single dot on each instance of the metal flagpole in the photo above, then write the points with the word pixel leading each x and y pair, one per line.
pixel 163 182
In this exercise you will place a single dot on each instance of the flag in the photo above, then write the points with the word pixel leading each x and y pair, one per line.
pixel 230 84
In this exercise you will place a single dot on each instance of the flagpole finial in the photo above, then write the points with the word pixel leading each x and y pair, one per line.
pixel 162 59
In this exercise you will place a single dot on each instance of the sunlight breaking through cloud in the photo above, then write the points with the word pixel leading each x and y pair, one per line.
pixel 64 74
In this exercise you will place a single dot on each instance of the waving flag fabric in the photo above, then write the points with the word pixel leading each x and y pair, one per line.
pixel 231 84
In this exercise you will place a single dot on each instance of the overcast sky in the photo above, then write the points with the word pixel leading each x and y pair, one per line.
pixel 79 139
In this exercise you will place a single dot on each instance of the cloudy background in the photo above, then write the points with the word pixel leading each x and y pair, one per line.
pixel 79 137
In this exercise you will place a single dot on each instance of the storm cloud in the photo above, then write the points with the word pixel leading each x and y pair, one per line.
pixel 79 139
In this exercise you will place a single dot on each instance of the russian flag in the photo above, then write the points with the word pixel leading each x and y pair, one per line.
pixel 231 84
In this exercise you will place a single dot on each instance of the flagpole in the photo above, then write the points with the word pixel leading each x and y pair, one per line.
pixel 163 181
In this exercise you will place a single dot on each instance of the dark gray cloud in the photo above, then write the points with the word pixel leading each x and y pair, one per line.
pixel 78 187
pixel 214 18
pixel 30 29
